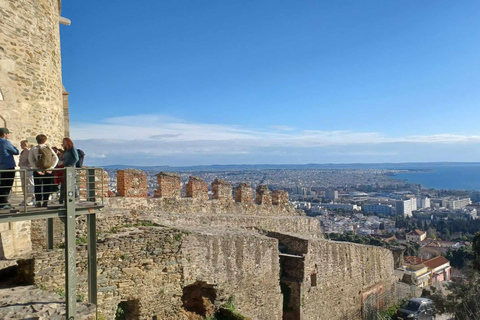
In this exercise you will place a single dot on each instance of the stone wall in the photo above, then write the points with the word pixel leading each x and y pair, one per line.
pixel 153 268
pixel 15 239
pixel 244 194
pixel 198 206
pixel 279 197
pixel 132 183
pixel 111 218
pixel 346 273
pixel 31 88
pixel 169 185
pixel 196 188
pixel 263 195
pixel 331 280
pixel 168 196
pixel 300 225
pixel 221 190
pixel 241 264
pixel 101 182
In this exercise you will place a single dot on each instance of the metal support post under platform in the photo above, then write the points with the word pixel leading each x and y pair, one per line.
pixel 70 250
pixel 92 259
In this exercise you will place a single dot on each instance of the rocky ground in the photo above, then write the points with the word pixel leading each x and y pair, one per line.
pixel 30 302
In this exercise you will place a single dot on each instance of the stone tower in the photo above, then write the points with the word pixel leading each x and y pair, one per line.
pixel 31 90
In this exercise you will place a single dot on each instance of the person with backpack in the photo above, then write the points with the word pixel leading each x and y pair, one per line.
pixel 7 151
pixel 43 160
pixel 81 157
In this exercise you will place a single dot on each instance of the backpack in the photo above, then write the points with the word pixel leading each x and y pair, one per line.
pixel 46 158
pixel 81 156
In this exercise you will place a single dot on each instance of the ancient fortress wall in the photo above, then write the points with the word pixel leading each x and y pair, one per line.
pixel 242 264
pixel 132 194
pixel 31 100
pixel 169 208
pixel 165 272
pixel 203 251
pixel 112 217
pixel 324 279
pixel 346 273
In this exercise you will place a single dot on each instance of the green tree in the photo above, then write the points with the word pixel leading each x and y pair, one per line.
pixel 459 258
pixel 463 301
pixel 411 248
pixel 476 250
pixel 464 297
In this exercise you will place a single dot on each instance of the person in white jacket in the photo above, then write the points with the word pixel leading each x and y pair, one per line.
pixel 43 177
pixel 26 177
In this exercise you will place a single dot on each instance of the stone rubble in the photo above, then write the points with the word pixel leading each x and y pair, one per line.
pixel 30 302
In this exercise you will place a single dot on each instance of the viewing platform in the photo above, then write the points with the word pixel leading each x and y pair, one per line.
pixel 61 193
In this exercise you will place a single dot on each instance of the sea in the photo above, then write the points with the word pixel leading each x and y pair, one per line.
pixel 457 176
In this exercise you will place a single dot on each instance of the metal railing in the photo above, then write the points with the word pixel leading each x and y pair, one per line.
pixel 62 193
pixel 26 190
pixel 375 304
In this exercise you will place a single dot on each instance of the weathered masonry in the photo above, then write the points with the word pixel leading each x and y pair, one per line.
pixel 31 90
pixel 171 257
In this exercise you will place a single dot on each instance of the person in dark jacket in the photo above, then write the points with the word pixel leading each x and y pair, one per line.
pixel 70 153
pixel 7 151
pixel 70 159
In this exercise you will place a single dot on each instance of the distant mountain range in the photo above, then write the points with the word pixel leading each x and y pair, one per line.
pixel 243 167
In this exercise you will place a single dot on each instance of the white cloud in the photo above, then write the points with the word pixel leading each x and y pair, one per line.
pixel 282 128
pixel 145 136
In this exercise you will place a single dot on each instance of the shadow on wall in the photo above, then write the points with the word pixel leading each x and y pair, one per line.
pixel 200 298
pixel 128 310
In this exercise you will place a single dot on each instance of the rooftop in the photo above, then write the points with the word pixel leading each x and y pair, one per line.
pixel 416 232
pixel 436 262
pixel 414 260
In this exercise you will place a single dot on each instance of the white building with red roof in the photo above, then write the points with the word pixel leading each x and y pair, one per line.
pixel 440 269
pixel 416 235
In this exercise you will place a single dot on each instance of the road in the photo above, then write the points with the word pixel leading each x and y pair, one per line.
pixel 444 317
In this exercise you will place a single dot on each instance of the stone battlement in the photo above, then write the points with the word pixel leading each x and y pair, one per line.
pixel 132 193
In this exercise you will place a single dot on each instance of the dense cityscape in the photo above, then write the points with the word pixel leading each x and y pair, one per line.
pixel 358 201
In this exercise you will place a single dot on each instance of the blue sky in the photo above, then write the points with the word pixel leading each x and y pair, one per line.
pixel 225 82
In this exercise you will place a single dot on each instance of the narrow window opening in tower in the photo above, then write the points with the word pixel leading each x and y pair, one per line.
pixel 1 95
pixel 313 280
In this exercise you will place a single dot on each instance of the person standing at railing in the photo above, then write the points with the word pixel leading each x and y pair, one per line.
pixel 7 151
pixel 26 177
pixel 70 159
pixel 43 160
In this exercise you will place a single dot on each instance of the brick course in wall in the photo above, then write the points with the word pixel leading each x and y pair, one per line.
pixel 132 183
pixel 169 185
pixel 263 195
pixel 196 188
pixel 101 182
pixel 222 190
pixel 280 198
pixel 244 193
